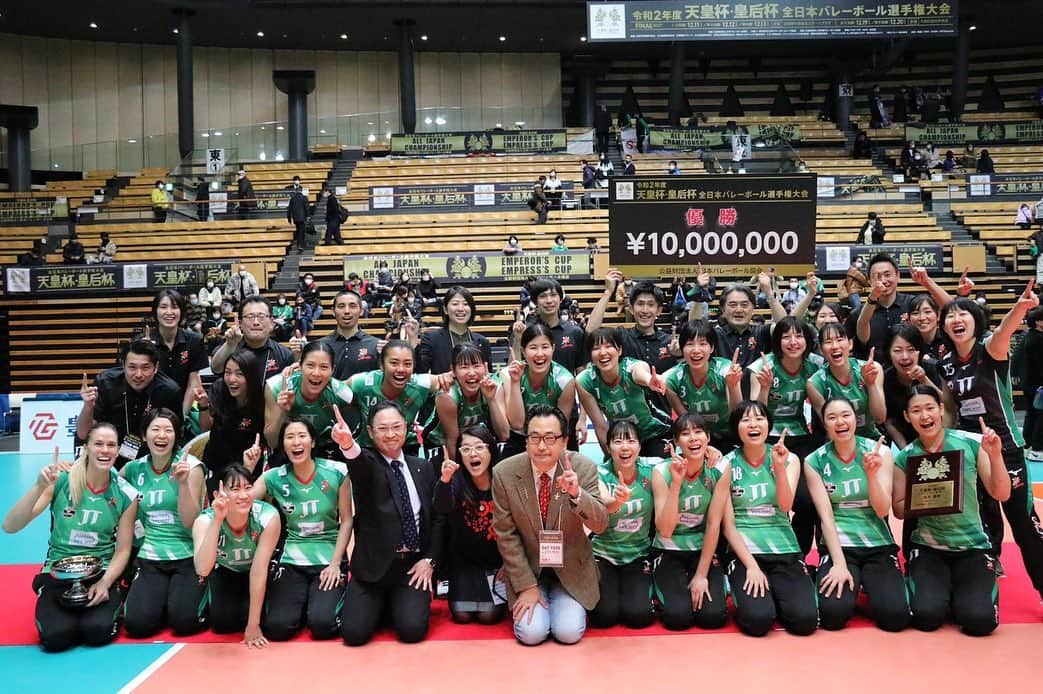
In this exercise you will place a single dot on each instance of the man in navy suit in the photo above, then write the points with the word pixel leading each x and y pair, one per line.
pixel 398 536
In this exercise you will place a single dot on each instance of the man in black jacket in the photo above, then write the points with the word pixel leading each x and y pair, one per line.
pixel 202 198
pixel 602 126
pixel 247 202
pixel 398 536
pixel 297 212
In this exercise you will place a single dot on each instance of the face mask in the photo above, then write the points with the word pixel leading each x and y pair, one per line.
pixel 209 285
pixel 242 273
pixel 282 302
pixel 792 285
pixel 194 301
pixel 216 316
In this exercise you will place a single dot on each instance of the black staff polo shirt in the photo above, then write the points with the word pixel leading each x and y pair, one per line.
pixel 125 408
pixel 186 356
pixel 352 355
pixel 272 356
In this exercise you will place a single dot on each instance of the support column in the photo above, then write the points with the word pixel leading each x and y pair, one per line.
pixel 19 120
pixel 585 98
pixel 296 85
pixel 406 76
pixel 959 71
pixel 185 101
pixel 677 64
pixel 844 101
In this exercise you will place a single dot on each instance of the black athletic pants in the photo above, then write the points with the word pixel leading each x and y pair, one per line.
pixel 365 602
pixel 61 627
pixel 673 572
pixel 165 593
pixel 294 600
pixel 805 517
pixel 876 571
pixel 964 581
pixel 626 594
pixel 1020 513
pixel 229 600
pixel 790 596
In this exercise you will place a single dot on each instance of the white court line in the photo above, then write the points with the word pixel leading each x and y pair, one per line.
pixel 147 672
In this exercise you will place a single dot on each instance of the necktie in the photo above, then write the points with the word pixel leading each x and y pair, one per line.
pixel 410 538
pixel 544 495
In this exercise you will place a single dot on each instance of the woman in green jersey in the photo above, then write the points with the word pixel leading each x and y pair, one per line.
pixel 704 384
pixel 612 387
pixel 92 513
pixel 474 399
pixel 780 382
pixel 539 380
pixel 767 571
pixel 314 497
pixel 688 577
pixel 951 567
pixel 165 590
pixel 234 541
pixel 308 391
pixel 861 382
pixel 850 479
pixel 621 552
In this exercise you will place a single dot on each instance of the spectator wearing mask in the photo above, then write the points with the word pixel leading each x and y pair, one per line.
pixel 106 251
pixel 934 160
pixel 360 286
pixel 552 187
pixel 382 286
pixel 605 169
pixel 872 231
pixel 985 163
pixel 427 289
pixel 590 181
pixel 672 169
pixel 309 292
pixel 282 316
pixel 34 257
pixel 1025 216
pixel 297 212
pixel 241 285
pixel 949 163
pixel 210 295
pixel 246 196
pixel 628 166
pixel 73 252
pixel 159 203
pixel 195 314
pixel 793 295
pixel 512 247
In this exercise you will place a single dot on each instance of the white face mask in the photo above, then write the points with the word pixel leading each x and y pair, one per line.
pixel 209 285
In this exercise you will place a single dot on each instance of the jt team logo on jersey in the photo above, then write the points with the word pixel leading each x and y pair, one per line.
pixel 43 426
pixel 364 354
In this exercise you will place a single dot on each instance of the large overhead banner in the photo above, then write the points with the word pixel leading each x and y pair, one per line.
pixel 784 19
pixel 478 142
pixel 456 195
pixel 720 136
pixel 75 279
pixel 984 133
pixel 475 267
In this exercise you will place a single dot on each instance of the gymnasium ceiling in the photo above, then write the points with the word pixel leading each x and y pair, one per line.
pixel 455 25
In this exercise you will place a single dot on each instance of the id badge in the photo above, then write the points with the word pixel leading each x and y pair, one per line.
pixel 552 549
pixel 130 447
pixel 972 407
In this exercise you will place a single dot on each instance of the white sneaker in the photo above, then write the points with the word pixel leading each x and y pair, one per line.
pixel 1033 455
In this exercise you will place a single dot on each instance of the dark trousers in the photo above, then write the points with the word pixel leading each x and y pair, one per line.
pixel 298 233
pixel 365 601
pixel 1021 515
pixel 626 594
pixel 159 214
pixel 1033 430
pixel 963 581
pixel 875 571
pixel 229 600
pixel 673 572
pixel 541 216
pixel 602 142
pixel 60 628
pixel 165 593
pixel 294 600
pixel 333 231
pixel 790 596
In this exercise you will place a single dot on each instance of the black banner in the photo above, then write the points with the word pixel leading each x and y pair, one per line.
pixel 658 20
pixel 32 209
pixel 469 268
pixel 1005 184
pixel 73 279
pixel 833 260
pixel 984 133
pixel 455 195
pixel 478 142
pixel 720 136
pixel 666 225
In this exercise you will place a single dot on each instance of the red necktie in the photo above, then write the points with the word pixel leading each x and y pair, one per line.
pixel 544 495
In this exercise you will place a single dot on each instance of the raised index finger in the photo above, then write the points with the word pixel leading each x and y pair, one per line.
pixel 257 441
pixel 84 386
pixel 57 452
pixel 879 443
pixel 981 421
pixel 1028 289
pixel 568 465
pixel 735 356
pixel 872 354
pixel 782 438
pixel 336 411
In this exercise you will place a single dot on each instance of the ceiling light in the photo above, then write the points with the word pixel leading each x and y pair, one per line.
pixel 218 133
pixel 278 156
pixel 519 122
pixel 427 121
pixel 583 39
pixel 93 25
pixel 260 34
pixel 503 38
pixel 423 37
pixel 177 31
pixel 439 121
pixel 322 132
pixel 206 134
pixel 132 142
pixel 369 123
pixel 371 138
pixel 56 166
pixel 387 136
pixel 972 27
pixel 280 127
pixel 499 125
pixel 344 36
pixel 262 156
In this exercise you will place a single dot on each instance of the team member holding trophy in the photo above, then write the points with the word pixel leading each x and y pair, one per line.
pixel 92 530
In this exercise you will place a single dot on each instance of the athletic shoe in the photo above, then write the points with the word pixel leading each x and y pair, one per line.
pixel 998 568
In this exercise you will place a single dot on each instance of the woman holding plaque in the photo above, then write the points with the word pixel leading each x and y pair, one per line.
pixel 92 513
pixel 850 480
pixel 165 590
pixel 977 374
pixel 951 566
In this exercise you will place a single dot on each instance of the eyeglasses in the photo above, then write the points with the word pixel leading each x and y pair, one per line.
pixel 476 448
pixel 393 429
pixel 547 439
pixel 256 317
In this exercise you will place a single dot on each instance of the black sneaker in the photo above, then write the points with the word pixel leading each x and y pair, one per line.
pixel 998 568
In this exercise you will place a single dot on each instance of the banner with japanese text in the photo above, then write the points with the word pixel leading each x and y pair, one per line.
pixel 475 267
pixel 455 195
pixel 73 279
pixel 720 136
pixel 478 142
pixel 991 132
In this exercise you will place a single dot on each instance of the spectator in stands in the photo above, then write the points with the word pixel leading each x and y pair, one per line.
pixel 399 313
pixel 949 164
pixel 672 169
pixel 559 244
pixel 34 257
pixel 592 245
pixel 863 147
pixel 1026 217
pixel 360 286
pixel 246 196
pixel 628 166
pixel 303 323
pixel 436 346
pixel 282 316
pixel 255 334
pixel 970 156
pixel 985 163
pixel 589 180
pixel 918 168
pixel 297 212
pixel 605 169
pixel 73 252
pixel 602 126
pixel 383 286
pixel 404 280
pixel 181 352
pixel 512 247
pixel 124 394
pixel 872 231
pixel 908 152
pixel 210 295
pixel 241 284
pixel 159 202
pixel 793 295
pixel 427 289
pixel 539 203
pixel 195 315
pixel 934 160
pixel 336 214
pixel 308 293
pixel 202 199
pixel 106 251
pixel 552 187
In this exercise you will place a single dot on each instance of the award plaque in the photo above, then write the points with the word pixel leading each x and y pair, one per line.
pixel 76 569
pixel 934 484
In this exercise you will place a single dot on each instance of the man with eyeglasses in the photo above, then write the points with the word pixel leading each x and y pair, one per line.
pixel 542 500
pixel 252 330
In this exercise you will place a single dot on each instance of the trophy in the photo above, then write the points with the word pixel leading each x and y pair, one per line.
pixel 934 484
pixel 77 569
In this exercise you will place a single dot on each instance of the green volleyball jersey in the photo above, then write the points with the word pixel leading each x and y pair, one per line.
pixel 788 393
pixel 957 531
pixel 468 414
pixel 763 526
pixel 90 526
pixel 159 533
pixel 628 535
pixel 310 510
pixel 710 399
pixel 848 488
pixel 693 504
pixel 366 387
pixel 318 412
pixel 235 551
pixel 557 380
pixel 856 391
pixel 625 400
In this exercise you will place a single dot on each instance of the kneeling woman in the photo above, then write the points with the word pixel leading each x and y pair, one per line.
pixel 621 552
pixel 234 541
pixel 92 513
pixel 166 590
pixel 315 497
pixel 850 482
pixel 950 565
pixel 689 507
pixel 767 573
pixel 466 499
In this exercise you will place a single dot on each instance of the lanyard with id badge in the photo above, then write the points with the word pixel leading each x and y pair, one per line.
pixel 131 444
pixel 552 543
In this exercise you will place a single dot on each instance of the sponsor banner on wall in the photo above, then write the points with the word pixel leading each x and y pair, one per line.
pixel 720 136
pixel 1005 184
pixel 979 133
pixel 835 260
pixel 72 279
pixel 478 142
pixel 455 195
pixel 33 209
pixel 475 267
pixel 46 423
